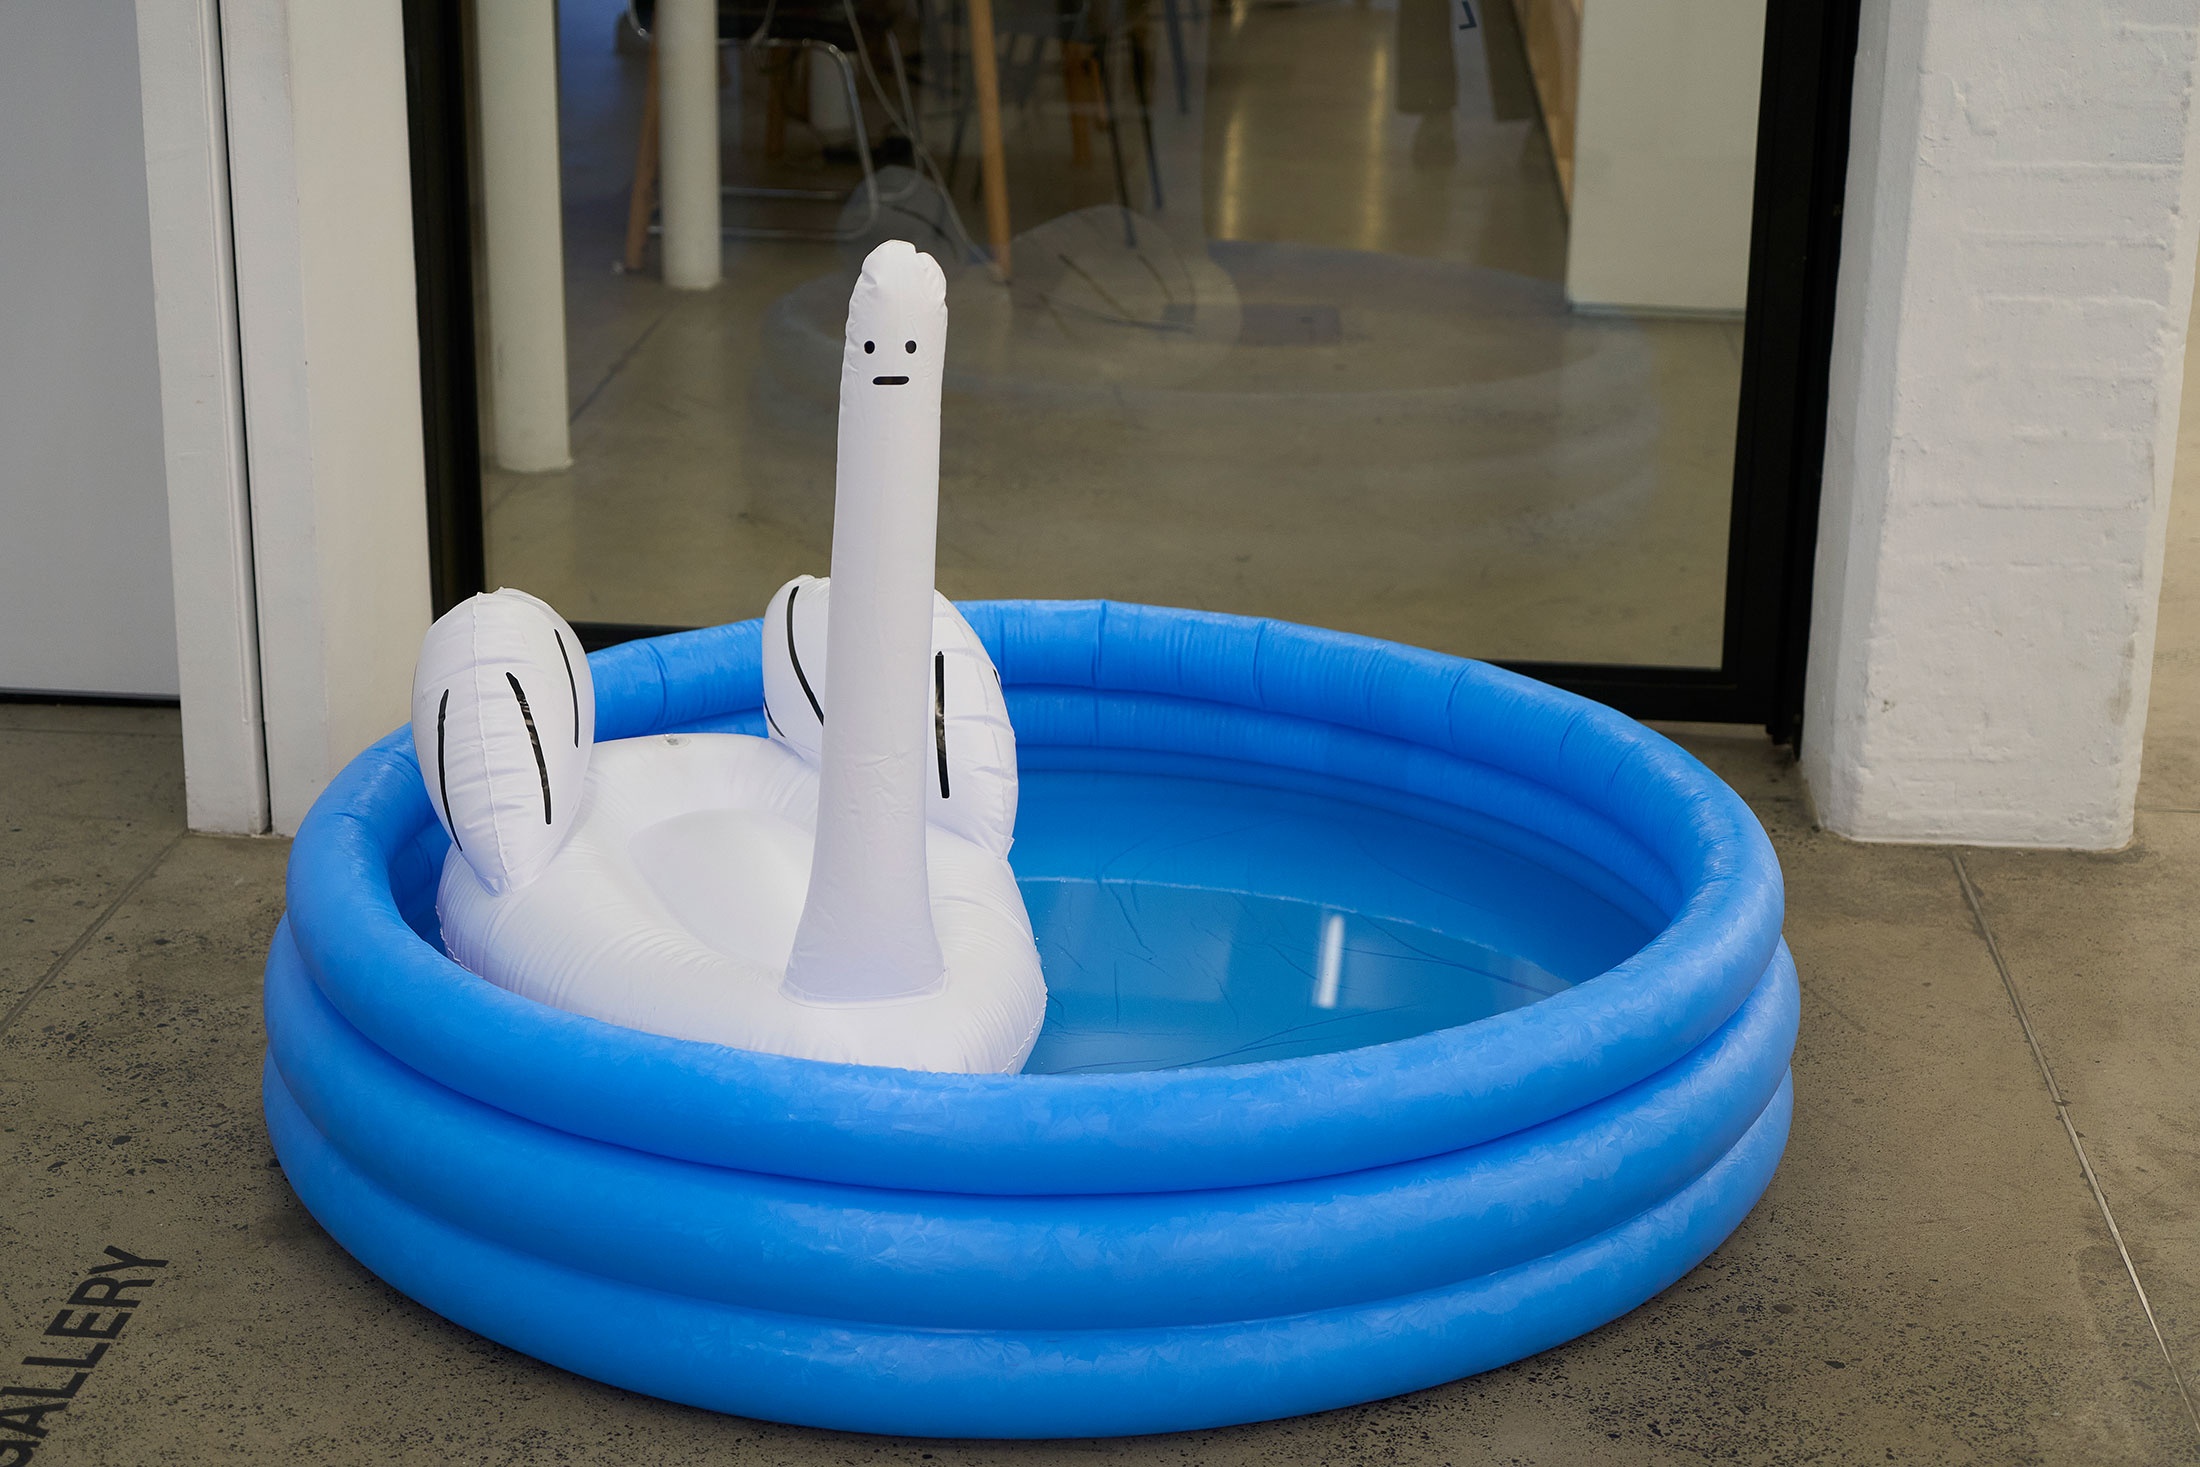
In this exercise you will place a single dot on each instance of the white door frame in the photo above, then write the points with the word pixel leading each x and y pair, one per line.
pixel 279 179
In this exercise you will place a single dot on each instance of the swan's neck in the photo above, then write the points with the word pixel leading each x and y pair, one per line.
pixel 866 931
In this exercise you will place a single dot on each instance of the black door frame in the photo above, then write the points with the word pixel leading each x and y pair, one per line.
pixel 1787 343
pixel 1787 347
pixel 437 63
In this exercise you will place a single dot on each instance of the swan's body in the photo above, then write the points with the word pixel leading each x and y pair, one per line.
pixel 838 891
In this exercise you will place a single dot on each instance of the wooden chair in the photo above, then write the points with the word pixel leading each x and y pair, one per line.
pixel 818 28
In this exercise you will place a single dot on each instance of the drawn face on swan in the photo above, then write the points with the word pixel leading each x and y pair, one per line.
pixel 897 331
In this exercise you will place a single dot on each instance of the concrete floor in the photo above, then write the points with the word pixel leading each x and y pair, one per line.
pixel 1335 380
pixel 1929 1279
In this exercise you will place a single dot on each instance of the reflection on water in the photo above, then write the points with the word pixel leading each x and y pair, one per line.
pixel 1197 922
pixel 1156 977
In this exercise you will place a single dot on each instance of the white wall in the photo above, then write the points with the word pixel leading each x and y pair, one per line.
pixel 1665 154
pixel 2017 267
pixel 84 584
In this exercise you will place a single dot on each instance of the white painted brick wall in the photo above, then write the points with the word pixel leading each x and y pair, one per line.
pixel 2016 271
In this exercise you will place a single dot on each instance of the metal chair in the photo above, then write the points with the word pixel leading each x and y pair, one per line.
pixel 1086 38
pixel 824 28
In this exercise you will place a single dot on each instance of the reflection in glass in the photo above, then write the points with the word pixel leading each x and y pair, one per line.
pixel 1408 317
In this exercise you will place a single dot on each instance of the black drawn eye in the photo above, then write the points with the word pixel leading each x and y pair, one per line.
pixel 911 347
pixel 869 347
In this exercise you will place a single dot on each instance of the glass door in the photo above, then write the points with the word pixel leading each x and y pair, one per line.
pixel 1492 326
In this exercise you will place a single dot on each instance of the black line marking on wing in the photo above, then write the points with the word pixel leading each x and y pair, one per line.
pixel 442 781
pixel 571 686
pixel 796 658
pixel 534 738
pixel 939 715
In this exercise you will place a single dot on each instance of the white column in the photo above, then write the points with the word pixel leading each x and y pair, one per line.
pixel 202 415
pixel 517 47
pixel 2016 270
pixel 321 199
pixel 687 69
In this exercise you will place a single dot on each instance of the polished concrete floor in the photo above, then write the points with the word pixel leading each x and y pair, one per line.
pixel 1932 1277
pixel 1330 376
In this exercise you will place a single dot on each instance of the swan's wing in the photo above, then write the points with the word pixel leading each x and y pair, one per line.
pixel 503 718
pixel 970 782
pixel 972 786
pixel 794 665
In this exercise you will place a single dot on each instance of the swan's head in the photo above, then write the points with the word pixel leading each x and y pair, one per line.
pixel 897 328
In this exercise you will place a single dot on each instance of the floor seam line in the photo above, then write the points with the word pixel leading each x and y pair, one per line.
pixel 2070 1129
pixel 84 938
pixel 618 365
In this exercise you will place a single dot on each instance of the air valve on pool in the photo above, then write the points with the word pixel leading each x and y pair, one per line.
pixel 1402 1016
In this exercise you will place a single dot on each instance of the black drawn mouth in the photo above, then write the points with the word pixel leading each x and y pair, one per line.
pixel 889 381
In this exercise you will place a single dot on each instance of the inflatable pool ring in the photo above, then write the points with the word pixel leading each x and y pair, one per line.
pixel 886 1247
pixel 668 884
pixel 1064 1255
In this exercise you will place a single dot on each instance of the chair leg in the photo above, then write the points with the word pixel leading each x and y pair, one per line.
pixel 955 144
pixel 863 134
pixel 775 107
pixel 640 200
pixel 1176 55
pixel 1145 115
pixel 1115 147
pixel 993 158
pixel 909 111
pixel 1075 80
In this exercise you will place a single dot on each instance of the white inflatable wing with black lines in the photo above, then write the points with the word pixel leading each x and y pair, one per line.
pixel 503 719
pixel 970 786
pixel 794 665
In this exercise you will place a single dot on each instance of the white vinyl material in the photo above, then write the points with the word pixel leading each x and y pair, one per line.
pixel 970 779
pixel 838 891
pixel 673 908
pixel 865 930
pixel 503 715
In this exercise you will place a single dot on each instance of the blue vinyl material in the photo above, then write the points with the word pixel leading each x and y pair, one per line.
pixel 959 1261
pixel 1547 1073
pixel 1021 1384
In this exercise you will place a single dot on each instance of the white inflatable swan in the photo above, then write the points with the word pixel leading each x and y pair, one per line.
pixel 839 890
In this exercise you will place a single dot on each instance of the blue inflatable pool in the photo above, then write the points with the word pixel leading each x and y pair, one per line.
pixel 1406 1017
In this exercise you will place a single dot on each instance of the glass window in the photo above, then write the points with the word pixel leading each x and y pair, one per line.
pixel 1418 318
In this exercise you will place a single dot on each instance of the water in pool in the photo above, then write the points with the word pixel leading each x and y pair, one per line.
pixel 1187 922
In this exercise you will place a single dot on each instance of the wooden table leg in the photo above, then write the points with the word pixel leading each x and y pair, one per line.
pixel 639 201
pixel 984 67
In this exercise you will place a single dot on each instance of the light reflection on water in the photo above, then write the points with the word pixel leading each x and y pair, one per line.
pixel 1187 923
pixel 1156 977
